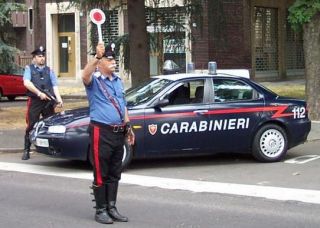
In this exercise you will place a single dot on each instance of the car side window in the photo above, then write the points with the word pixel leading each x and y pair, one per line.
pixel 187 93
pixel 232 90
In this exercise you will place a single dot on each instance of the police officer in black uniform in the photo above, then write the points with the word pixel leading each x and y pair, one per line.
pixel 109 127
pixel 42 86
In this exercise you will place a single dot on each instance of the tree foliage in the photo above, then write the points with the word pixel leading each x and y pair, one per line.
pixel 7 39
pixel 305 14
pixel 302 11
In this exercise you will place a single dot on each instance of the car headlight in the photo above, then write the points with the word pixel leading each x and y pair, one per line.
pixel 57 129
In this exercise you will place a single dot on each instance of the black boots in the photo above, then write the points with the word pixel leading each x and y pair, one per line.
pixel 105 197
pixel 111 194
pixel 114 214
pixel 26 151
pixel 101 215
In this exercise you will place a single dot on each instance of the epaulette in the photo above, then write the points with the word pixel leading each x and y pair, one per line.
pixel 97 74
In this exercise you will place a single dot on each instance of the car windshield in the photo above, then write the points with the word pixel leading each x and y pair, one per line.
pixel 145 91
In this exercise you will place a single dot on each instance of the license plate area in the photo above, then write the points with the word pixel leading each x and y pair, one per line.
pixel 42 142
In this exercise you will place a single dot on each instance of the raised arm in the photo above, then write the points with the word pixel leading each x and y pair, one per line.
pixel 92 64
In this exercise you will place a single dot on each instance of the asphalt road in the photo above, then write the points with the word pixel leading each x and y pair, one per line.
pixel 37 201
pixel 46 192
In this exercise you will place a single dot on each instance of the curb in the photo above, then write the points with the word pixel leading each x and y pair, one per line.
pixel 11 150
pixel 75 97
pixel 16 150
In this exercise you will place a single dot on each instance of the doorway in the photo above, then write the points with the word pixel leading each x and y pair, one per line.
pixel 66 54
pixel 66 42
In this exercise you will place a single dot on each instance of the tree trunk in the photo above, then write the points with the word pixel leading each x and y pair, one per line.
pixel 138 42
pixel 311 45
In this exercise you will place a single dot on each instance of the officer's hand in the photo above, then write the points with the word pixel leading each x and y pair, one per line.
pixel 43 96
pixel 131 137
pixel 60 104
pixel 100 49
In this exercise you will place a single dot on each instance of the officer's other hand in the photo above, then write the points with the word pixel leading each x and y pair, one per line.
pixel 131 137
pixel 100 49
pixel 60 104
pixel 43 96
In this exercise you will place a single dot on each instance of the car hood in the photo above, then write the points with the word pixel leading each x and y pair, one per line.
pixel 68 116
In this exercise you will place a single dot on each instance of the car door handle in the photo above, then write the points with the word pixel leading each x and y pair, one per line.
pixel 200 111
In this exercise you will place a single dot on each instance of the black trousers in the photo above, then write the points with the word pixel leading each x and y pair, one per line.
pixel 35 108
pixel 107 153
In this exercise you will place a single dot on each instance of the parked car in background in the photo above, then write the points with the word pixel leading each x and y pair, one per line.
pixel 190 115
pixel 11 85
pixel 170 67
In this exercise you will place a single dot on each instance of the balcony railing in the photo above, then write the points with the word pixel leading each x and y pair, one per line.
pixel 24 60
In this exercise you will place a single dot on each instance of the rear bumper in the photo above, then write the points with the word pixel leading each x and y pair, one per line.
pixel 300 131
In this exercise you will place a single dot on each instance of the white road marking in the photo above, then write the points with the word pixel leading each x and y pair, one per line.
pixel 269 192
pixel 302 159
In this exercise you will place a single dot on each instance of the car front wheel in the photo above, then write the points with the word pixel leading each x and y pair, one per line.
pixel 127 155
pixel 270 143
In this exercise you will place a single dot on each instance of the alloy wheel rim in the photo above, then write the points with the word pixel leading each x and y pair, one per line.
pixel 272 143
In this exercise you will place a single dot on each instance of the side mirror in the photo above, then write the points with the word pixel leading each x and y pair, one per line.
pixel 161 103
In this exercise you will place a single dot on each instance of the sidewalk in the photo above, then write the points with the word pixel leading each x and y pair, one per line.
pixel 71 89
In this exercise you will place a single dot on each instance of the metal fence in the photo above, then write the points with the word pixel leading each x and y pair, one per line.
pixel 24 60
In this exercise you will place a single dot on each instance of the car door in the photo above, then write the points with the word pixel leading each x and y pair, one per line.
pixel 5 84
pixel 17 85
pixel 234 114
pixel 13 85
pixel 178 128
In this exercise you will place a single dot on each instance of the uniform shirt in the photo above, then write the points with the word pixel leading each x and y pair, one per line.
pixel 101 108
pixel 27 75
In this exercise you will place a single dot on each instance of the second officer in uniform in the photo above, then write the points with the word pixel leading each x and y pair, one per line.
pixel 42 86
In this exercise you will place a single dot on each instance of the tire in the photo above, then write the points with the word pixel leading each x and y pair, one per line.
pixel 11 98
pixel 127 155
pixel 270 143
pixel 0 94
pixel 126 159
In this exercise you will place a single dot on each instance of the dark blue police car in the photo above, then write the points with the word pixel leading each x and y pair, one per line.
pixel 187 115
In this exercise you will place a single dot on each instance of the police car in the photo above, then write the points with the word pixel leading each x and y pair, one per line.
pixel 188 115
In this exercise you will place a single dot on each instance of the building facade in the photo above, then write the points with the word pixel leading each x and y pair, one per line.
pixel 237 34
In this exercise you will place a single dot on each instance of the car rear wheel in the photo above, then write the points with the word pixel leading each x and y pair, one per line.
pixel 126 159
pixel 270 143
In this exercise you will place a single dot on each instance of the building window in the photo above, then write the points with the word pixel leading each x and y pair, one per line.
pixel 30 17
pixel 266 39
pixel 294 48
pixel 66 23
